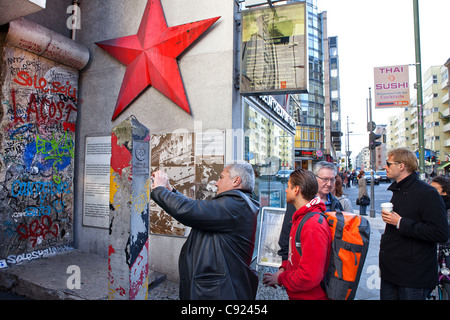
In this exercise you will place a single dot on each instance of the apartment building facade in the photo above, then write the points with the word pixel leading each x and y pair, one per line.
pixel 402 129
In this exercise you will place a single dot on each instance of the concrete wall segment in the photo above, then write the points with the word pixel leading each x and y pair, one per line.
pixel 32 37
pixel 39 89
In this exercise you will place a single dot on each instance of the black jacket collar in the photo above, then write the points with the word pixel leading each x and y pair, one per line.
pixel 403 184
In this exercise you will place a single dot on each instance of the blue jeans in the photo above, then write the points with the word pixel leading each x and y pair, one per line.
pixel 390 291
pixel 362 210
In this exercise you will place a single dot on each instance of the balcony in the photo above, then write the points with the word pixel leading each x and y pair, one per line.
pixel 446 99
pixel 446 112
pixel 446 128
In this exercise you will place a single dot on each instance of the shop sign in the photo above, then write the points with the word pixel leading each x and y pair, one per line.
pixel 279 111
pixel 315 154
pixel 391 86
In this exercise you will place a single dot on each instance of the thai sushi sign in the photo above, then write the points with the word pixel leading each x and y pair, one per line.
pixel 391 86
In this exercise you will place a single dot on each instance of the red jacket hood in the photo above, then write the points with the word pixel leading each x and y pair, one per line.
pixel 315 205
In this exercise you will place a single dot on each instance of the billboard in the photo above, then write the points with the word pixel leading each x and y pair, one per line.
pixel 274 58
pixel 391 86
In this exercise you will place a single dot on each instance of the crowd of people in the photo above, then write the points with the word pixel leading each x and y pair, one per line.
pixel 215 261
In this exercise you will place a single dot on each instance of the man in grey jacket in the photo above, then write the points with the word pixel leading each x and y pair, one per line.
pixel 214 262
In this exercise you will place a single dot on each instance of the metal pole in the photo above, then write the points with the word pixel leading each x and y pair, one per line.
pixel 348 147
pixel 419 90
pixel 372 162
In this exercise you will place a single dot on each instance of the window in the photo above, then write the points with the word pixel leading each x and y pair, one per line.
pixel 269 149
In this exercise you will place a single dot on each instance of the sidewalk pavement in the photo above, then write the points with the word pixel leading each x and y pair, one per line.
pixel 49 278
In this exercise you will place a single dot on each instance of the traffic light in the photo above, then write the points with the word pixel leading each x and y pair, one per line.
pixel 297 115
pixel 373 143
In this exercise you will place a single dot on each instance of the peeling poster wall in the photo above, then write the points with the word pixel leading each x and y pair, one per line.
pixel 37 132
pixel 193 162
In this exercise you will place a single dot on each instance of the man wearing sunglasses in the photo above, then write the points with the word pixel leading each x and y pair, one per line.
pixel 418 221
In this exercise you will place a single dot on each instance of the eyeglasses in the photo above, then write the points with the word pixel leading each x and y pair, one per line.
pixel 326 180
pixel 389 163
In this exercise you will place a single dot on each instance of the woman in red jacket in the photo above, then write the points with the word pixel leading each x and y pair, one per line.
pixel 302 275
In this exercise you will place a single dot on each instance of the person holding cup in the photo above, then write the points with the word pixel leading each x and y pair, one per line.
pixel 415 224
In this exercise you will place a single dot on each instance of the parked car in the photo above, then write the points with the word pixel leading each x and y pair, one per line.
pixel 368 177
pixel 283 175
pixel 383 176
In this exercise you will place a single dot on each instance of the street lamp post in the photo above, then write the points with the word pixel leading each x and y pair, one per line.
pixel 370 126
pixel 348 152
pixel 419 90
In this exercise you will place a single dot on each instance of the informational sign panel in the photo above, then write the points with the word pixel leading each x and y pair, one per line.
pixel 271 223
pixel 391 86
pixel 274 50
pixel 96 181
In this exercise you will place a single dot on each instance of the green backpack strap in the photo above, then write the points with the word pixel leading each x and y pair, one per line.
pixel 298 244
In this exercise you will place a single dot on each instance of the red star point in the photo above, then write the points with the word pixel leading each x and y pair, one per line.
pixel 150 56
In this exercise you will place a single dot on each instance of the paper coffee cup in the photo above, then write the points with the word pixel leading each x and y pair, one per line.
pixel 387 206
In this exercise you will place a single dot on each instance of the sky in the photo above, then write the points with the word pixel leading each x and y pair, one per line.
pixel 375 34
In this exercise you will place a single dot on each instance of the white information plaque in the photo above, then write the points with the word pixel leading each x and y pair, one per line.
pixel 96 182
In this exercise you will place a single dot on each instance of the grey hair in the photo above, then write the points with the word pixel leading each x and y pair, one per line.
pixel 244 170
pixel 324 165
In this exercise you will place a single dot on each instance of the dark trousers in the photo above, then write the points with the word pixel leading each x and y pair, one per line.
pixel 390 291
pixel 362 210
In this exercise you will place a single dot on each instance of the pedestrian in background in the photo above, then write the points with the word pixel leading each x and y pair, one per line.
pixel 442 185
pixel 214 262
pixel 302 275
pixel 345 179
pixel 341 196
pixel 362 191
pixel 418 221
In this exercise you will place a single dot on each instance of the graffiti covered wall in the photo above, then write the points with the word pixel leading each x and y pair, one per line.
pixel 39 104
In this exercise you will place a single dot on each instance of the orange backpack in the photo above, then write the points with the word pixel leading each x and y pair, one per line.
pixel 350 242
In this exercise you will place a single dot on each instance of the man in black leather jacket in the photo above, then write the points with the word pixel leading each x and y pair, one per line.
pixel 214 262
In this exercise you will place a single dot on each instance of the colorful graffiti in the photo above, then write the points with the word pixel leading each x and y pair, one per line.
pixel 129 224
pixel 37 134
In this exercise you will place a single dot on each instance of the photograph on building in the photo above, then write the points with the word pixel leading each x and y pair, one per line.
pixel 193 162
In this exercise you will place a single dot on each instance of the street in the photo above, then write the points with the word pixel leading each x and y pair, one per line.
pixel 381 194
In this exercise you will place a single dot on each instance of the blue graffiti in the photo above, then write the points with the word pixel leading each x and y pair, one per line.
pixel 41 189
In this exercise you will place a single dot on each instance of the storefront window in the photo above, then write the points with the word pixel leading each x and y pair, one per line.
pixel 269 148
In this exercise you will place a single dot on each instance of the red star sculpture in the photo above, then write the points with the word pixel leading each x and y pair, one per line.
pixel 150 56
